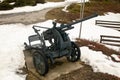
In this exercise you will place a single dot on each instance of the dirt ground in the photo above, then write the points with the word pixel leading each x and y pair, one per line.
pixel 94 6
pixel 83 73
pixel 86 73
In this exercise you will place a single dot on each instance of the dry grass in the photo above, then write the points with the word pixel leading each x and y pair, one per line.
pixel 61 16
pixel 97 47
pixel 86 73
pixel 94 6
pixel 102 7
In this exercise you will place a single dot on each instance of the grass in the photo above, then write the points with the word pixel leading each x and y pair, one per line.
pixel 97 47
pixel 61 16
pixel 94 6
pixel 5 5
pixel 102 7
pixel 74 8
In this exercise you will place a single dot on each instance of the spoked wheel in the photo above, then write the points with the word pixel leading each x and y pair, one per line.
pixel 40 63
pixel 75 55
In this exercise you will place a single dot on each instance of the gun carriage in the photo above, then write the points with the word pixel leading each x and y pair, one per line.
pixel 59 45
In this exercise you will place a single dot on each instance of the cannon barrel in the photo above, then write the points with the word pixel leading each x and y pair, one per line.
pixel 70 24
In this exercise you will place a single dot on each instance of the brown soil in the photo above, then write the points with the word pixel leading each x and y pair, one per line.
pixel 61 16
pixel 86 73
pixel 98 47
pixel 94 6
pixel 83 73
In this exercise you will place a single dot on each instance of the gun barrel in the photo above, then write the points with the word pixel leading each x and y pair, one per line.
pixel 86 18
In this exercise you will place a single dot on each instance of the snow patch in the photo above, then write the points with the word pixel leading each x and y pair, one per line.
pixel 40 7
pixel 100 62
pixel 14 35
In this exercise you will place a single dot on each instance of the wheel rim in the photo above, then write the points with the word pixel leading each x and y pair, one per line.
pixel 75 54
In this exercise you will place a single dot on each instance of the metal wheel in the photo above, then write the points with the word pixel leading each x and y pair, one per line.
pixel 40 63
pixel 75 55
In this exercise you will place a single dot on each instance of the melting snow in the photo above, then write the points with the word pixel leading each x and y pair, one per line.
pixel 12 37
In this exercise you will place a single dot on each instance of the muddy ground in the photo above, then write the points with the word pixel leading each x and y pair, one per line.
pixel 86 73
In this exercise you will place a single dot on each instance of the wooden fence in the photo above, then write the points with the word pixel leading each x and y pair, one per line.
pixel 109 24
pixel 110 40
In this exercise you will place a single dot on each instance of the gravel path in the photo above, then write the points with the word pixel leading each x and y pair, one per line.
pixel 24 17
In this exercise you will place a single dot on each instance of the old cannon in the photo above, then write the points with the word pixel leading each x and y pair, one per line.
pixel 51 44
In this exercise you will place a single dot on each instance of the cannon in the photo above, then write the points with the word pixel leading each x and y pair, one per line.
pixel 51 44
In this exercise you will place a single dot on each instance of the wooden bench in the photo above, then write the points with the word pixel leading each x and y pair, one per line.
pixel 110 40
pixel 109 24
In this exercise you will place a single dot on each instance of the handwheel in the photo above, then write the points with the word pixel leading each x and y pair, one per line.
pixel 40 63
pixel 75 53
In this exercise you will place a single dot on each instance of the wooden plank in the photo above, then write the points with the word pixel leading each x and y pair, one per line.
pixel 111 44
pixel 108 23
pixel 109 26
pixel 103 21
pixel 110 40
pixel 100 39
pixel 109 36
pixel 105 39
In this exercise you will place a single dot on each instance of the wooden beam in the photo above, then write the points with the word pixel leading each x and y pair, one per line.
pixel 109 36
pixel 112 44
pixel 108 40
